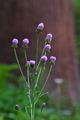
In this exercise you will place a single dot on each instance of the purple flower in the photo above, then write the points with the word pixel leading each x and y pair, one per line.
pixel 47 47
pixel 32 63
pixel 44 58
pixel 40 26
pixel 43 104
pixel 14 42
pixel 36 73
pixel 48 37
pixel 25 43
pixel 17 107
pixel 52 59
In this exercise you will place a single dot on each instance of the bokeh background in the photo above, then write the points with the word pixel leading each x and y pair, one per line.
pixel 19 19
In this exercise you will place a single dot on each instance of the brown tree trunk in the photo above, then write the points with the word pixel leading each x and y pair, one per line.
pixel 19 18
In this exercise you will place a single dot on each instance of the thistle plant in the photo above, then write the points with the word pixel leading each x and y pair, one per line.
pixel 35 70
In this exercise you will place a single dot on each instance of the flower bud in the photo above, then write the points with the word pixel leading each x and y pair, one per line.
pixel 25 43
pixel 48 38
pixel 36 73
pixel 47 48
pixel 43 104
pixel 17 107
pixel 40 27
pixel 14 43
pixel 43 58
pixel 52 59
pixel 32 63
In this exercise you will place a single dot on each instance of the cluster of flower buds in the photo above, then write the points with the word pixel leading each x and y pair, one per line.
pixel 48 38
pixel 47 47
pixel 31 63
pixel 15 42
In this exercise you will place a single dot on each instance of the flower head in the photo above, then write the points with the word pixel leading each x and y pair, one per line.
pixel 32 63
pixel 40 27
pixel 48 37
pixel 17 107
pixel 36 73
pixel 44 58
pixel 43 104
pixel 25 42
pixel 14 42
pixel 52 59
pixel 47 47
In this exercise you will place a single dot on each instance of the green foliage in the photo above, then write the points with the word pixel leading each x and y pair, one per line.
pixel 12 94
pixel 76 6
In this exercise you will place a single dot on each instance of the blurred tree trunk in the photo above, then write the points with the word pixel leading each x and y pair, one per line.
pixel 19 19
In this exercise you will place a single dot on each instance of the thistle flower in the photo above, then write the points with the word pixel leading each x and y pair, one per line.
pixel 44 58
pixel 52 59
pixel 36 73
pixel 25 43
pixel 48 37
pixel 14 43
pixel 47 48
pixel 32 63
pixel 43 104
pixel 40 27
pixel 17 107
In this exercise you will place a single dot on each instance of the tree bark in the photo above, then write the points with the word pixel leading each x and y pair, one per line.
pixel 19 19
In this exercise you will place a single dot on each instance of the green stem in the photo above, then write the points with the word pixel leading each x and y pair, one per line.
pixel 44 83
pixel 19 66
pixel 47 77
pixel 25 54
pixel 37 43
pixel 33 107
pixel 41 113
pixel 41 56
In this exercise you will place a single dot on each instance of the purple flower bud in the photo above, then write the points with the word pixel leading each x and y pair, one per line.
pixel 47 47
pixel 43 104
pixel 32 63
pixel 17 107
pixel 36 73
pixel 40 27
pixel 44 58
pixel 48 37
pixel 25 43
pixel 14 42
pixel 52 59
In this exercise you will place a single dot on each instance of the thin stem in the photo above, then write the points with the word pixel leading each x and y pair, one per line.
pixel 25 54
pixel 20 66
pixel 41 55
pixel 37 42
pixel 47 77
pixel 44 83
pixel 38 78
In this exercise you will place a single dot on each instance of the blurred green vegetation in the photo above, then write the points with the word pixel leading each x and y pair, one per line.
pixel 76 7
pixel 13 91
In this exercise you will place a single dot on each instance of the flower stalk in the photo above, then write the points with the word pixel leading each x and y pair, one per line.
pixel 35 70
